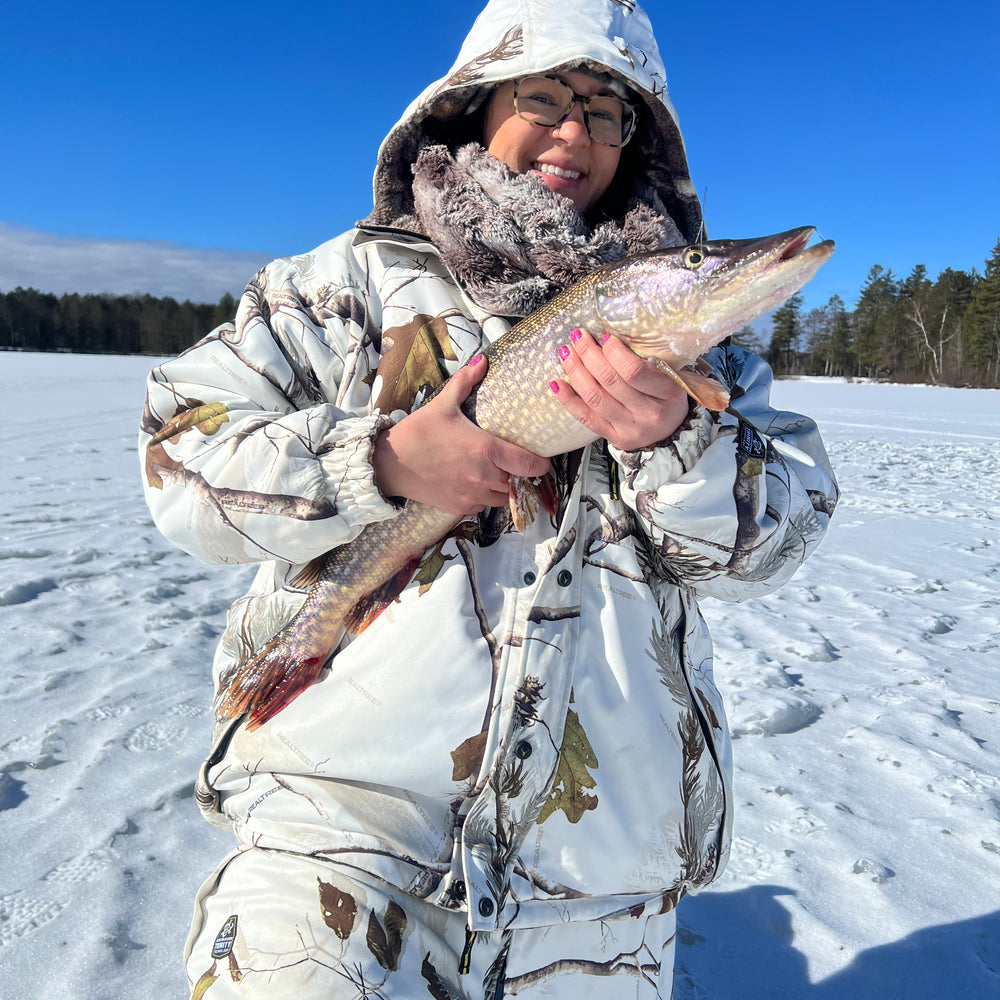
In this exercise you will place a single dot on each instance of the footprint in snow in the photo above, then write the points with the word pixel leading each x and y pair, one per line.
pixel 22 593
pixel 749 861
pixel 879 873
pixel 21 914
pixel 188 709
pixel 25 553
pixel 774 713
pixel 100 713
pixel 153 736
pixel 943 624
pixel 82 868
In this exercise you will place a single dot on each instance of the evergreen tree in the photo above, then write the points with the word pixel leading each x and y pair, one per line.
pixel 982 320
pixel 815 335
pixel 224 312
pixel 748 338
pixel 785 330
pixel 840 358
pixel 911 286
pixel 874 321
pixel 828 334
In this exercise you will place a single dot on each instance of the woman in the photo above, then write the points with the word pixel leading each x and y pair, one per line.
pixel 505 784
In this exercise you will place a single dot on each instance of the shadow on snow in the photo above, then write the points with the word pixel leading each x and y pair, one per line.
pixel 739 946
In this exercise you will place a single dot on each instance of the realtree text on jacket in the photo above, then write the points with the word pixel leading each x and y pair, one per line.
pixel 531 733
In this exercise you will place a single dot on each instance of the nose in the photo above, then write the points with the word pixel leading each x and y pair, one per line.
pixel 573 129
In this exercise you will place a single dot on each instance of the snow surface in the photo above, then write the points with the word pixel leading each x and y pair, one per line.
pixel 863 697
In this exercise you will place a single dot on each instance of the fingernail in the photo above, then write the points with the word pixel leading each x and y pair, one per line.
pixel 563 352
pixel 475 361
pixel 554 386
pixel 605 338
pixel 576 335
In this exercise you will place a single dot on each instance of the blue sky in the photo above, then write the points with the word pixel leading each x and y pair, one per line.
pixel 175 148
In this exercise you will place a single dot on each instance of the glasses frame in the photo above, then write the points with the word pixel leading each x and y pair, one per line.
pixel 575 99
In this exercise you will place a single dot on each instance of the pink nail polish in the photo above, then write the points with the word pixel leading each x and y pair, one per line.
pixel 554 386
pixel 563 352
pixel 605 338
pixel 475 361
pixel 576 335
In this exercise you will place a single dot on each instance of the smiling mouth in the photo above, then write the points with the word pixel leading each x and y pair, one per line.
pixel 548 168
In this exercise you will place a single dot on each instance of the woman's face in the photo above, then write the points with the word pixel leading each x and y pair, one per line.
pixel 563 156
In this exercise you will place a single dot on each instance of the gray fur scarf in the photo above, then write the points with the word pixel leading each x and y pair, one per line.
pixel 511 242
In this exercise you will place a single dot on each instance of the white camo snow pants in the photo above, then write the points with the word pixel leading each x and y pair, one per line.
pixel 284 926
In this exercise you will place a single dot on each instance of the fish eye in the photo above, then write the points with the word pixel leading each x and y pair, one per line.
pixel 693 257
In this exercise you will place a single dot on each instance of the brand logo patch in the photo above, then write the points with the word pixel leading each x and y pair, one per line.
pixel 750 441
pixel 225 938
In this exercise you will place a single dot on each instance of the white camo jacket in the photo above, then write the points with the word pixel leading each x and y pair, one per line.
pixel 532 731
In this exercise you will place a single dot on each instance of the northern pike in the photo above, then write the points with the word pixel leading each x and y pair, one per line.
pixel 671 306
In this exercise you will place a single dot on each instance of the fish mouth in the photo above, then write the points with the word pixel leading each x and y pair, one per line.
pixel 790 246
pixel 793 247
pixel 769 270
pixel 797 248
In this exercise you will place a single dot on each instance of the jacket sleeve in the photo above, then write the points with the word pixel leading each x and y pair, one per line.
pixel 256 442
pixel 732 506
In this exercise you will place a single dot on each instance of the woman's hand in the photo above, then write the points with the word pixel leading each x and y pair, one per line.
pixel 438 456
pixel 618 395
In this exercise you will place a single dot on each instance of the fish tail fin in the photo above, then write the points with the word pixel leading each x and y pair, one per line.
pixel 373 604
pixel 698 384
pixel 269 681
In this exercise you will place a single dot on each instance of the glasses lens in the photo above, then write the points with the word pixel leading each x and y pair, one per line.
pixel 609 120
pixel 543 100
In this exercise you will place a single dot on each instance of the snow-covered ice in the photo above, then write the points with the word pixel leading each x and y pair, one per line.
pixel 864 698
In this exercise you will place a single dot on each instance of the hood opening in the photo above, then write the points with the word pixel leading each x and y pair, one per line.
pixel 514 38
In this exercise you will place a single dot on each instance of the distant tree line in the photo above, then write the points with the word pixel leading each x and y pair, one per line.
pixel 945 331
pixel 105 324
pixel 910 330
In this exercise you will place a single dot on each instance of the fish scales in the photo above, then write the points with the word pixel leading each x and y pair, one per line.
pixel 671 305
pixel 514 401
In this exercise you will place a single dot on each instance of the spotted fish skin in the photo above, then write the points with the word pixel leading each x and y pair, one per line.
pixel 671 306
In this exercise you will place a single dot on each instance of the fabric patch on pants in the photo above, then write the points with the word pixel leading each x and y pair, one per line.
pixel 284 926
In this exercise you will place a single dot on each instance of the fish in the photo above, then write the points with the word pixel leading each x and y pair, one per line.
pixel 670 306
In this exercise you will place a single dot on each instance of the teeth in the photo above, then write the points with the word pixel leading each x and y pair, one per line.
pixel 547 168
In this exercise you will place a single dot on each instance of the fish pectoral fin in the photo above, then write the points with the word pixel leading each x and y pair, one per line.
pixel 366 610
pixel 698 384
pixel 548 495
pixel 525 496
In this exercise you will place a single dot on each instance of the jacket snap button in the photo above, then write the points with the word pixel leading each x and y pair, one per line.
pixel 565 578
pixel 459 889
pixel 486 907
pixel 529 578
pixel 523 750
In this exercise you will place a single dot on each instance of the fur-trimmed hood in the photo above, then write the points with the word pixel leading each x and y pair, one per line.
pixel 512 38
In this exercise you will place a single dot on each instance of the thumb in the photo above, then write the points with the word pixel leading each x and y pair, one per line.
pixel 458 387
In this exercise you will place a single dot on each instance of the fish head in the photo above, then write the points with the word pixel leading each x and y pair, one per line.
pixel 675 304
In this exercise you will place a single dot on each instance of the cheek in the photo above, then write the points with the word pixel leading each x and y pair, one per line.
pixel 492 124
pixel 499 127
pixel 606 162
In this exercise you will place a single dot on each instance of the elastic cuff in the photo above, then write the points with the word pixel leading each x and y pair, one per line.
pixel 351 475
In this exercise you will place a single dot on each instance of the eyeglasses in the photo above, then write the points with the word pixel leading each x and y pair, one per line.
pixel 546 100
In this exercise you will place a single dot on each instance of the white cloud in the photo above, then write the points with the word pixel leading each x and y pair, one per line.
pixel 53 263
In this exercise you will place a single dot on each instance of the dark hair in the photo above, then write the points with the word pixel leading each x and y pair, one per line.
pixel 614 203
pixel 458 130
